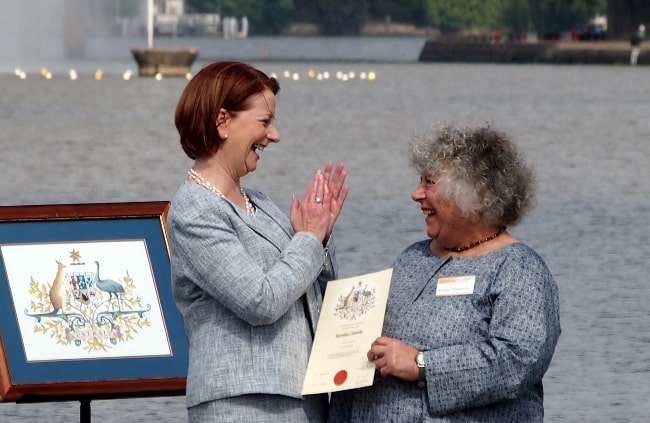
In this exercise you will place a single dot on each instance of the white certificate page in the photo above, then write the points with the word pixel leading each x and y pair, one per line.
pixel 352 317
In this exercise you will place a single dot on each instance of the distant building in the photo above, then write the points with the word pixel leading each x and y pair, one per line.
pixel 170 19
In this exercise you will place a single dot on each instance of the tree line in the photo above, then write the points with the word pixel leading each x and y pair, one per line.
pixel 347 17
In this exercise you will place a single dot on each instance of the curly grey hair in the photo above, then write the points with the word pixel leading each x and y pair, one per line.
pixel 479 169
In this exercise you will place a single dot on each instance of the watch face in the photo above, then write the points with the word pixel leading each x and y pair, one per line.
pixel 419 359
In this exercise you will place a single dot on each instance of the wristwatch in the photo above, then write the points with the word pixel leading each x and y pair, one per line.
pixel 422 378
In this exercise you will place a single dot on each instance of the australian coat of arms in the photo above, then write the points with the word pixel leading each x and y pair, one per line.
pixel 84 308
pixel 355 303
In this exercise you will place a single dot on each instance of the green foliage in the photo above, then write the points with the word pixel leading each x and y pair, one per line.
pixel 268 17
pixel 403 11
pixel 549 15
pixel 450 15
pixel 346 17
pixel 276 17
pixel 203 6
pixel 516 16
pixel 340 17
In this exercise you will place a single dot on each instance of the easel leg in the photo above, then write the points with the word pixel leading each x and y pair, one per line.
pixel 84 411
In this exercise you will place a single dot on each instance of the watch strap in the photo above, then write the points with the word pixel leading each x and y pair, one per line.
pixel 422 377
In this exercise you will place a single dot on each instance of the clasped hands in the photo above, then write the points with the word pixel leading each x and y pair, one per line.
pixel 322 202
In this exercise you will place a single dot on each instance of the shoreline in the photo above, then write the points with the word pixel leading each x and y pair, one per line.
pixel 113 55
pixel 548 52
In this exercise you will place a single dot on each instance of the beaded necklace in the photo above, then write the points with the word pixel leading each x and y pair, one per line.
pixel 475 243
pixel 196 176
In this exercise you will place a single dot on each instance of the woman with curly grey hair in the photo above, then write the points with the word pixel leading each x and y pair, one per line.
pixel 472 319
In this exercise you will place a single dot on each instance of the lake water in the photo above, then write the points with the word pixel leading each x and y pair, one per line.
pixel 586 129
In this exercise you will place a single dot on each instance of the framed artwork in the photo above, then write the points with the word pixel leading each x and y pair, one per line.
pixel 87 308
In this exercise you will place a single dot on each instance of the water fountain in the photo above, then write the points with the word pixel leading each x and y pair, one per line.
pixel 60 34
pixel 43 29
pixel 162 61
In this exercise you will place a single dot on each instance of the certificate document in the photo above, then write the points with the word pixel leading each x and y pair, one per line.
pixel 352 317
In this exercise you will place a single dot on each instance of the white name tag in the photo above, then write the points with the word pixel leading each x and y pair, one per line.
pixel 456 285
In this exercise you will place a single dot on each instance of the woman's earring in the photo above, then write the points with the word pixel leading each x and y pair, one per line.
pixel 225 137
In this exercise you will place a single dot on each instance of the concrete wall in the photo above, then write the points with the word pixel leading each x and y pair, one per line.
pixel 586 52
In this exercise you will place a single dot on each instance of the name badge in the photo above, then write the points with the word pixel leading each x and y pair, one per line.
pixel 456 285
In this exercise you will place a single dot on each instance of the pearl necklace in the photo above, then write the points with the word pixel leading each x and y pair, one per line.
pixel 475 243
pixel 196 176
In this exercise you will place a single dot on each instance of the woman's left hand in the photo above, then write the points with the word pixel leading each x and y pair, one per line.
pixel 395 358
pixel 338 191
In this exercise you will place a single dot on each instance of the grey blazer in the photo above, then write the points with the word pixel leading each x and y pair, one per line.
pixel 248 290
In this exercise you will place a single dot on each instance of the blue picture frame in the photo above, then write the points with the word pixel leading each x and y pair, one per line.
pixel 99 375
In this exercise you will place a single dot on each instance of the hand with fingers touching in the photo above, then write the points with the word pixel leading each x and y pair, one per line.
pixel 338 191
pixel 312 213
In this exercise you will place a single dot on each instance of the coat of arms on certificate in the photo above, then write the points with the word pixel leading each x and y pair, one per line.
pixel 351 318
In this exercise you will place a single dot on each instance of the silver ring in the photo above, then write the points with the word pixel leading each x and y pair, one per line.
pixel 318 200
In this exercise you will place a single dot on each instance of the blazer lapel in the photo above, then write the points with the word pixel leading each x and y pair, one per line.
pixel 272 233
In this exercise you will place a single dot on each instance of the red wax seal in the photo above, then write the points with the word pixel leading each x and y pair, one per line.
pixel 340 377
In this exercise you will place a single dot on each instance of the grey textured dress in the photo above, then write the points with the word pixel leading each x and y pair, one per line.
pixel 485 352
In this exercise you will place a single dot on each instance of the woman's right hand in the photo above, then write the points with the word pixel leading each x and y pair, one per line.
pixel 313 213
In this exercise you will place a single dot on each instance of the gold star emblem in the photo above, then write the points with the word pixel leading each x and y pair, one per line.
pixel 74 255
